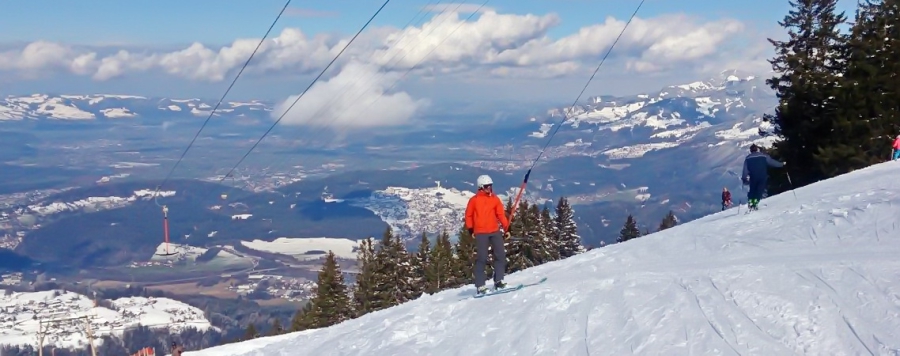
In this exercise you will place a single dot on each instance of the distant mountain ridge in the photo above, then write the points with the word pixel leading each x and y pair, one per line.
pixel 113 106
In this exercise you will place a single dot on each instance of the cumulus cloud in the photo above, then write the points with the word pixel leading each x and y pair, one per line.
pixel 357 97
pixel 495 44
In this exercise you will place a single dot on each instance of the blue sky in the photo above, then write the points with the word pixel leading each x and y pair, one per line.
pixel 508 64
pixel 167 22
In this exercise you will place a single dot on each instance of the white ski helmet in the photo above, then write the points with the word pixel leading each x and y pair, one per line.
pixel 484 180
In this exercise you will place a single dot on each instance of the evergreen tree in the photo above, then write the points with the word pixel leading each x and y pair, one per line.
pixel 629 231
pixel 364 287
pixel 550 233
pixel 251 332
pixel 331 303
pixel 668 221
pixel 276 329
pixel 523 230
pixel 533 247
pixel 809 66
pixel 420 262
pixel 566 230
pixel 393 273
pixel 439 272
pixel 463 267
pixel 303 319
pixel 870 92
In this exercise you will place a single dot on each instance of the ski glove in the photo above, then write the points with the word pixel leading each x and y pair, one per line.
pixel 506 235
pixel 471 231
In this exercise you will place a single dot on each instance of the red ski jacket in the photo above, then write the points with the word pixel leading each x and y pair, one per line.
pixel 726 196
pixel 485 213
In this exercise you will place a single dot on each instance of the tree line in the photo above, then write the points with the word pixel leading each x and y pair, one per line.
pixel 838 90
pixel 630 229
pixel 390 275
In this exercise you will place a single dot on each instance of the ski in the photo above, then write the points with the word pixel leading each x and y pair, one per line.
pixel 510 289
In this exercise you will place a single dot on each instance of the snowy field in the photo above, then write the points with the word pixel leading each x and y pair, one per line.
pixel 818 274
pixel 301 248
pixel 21 313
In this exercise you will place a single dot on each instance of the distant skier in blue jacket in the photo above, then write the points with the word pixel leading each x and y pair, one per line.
pixel 756 174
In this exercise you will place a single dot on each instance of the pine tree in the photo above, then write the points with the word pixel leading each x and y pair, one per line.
pixel 364 287
pixel 331 303
pixel 569 241
pixel 668 221
pixel 420 262
pixel 393 273
pixel 809 67
pixel 523 229
pixel 463 266
pixel 303 319
pixel 276 329
pixel 629 231
pixel 250 333
pixel 439 272
pixel 869 97
pixel 550 233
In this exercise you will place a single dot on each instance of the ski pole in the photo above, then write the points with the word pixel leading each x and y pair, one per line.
pixel 791 183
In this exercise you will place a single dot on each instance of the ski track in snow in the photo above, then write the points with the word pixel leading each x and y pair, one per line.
pixel 814 275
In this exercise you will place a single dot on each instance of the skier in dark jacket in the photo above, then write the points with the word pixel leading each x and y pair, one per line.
pixel 756 174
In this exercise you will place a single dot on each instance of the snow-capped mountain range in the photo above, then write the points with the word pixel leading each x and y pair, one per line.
pixel 110 106
pixel 719 110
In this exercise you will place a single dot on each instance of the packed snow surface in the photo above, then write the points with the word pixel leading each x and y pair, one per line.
pixel 818 274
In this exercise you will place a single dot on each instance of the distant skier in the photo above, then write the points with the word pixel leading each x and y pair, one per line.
pixel 485 215
pixel 756 174
pixel 726 198
pixel 176 350
pixel 895 154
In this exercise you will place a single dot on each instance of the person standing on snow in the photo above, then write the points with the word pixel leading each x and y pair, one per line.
pixel 895 153
pixel 485 215
pixel 176 350
pixel 726 198
pixel 756 174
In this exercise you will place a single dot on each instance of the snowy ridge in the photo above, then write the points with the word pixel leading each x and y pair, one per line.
pixel 111 106
pixel 813 275
pixel 700 111
pixel 410 211
pixel 95 203
pixel 305 248
pixel 21 312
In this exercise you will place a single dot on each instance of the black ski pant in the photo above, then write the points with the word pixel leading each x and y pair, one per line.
pixel 757 187
pixel 482 242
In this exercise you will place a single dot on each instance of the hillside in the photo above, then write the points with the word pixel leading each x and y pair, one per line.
pixel 23 311
pixel 810 274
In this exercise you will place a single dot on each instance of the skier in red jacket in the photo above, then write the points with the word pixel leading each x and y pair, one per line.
pixel 895 155
pixel 485 216
pixel 726 198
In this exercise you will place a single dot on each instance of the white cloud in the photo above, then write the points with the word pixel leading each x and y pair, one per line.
pixel 355 98
pixel 502 45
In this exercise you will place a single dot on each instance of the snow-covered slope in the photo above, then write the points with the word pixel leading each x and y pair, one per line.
pixel 813 275
pixel 21 313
